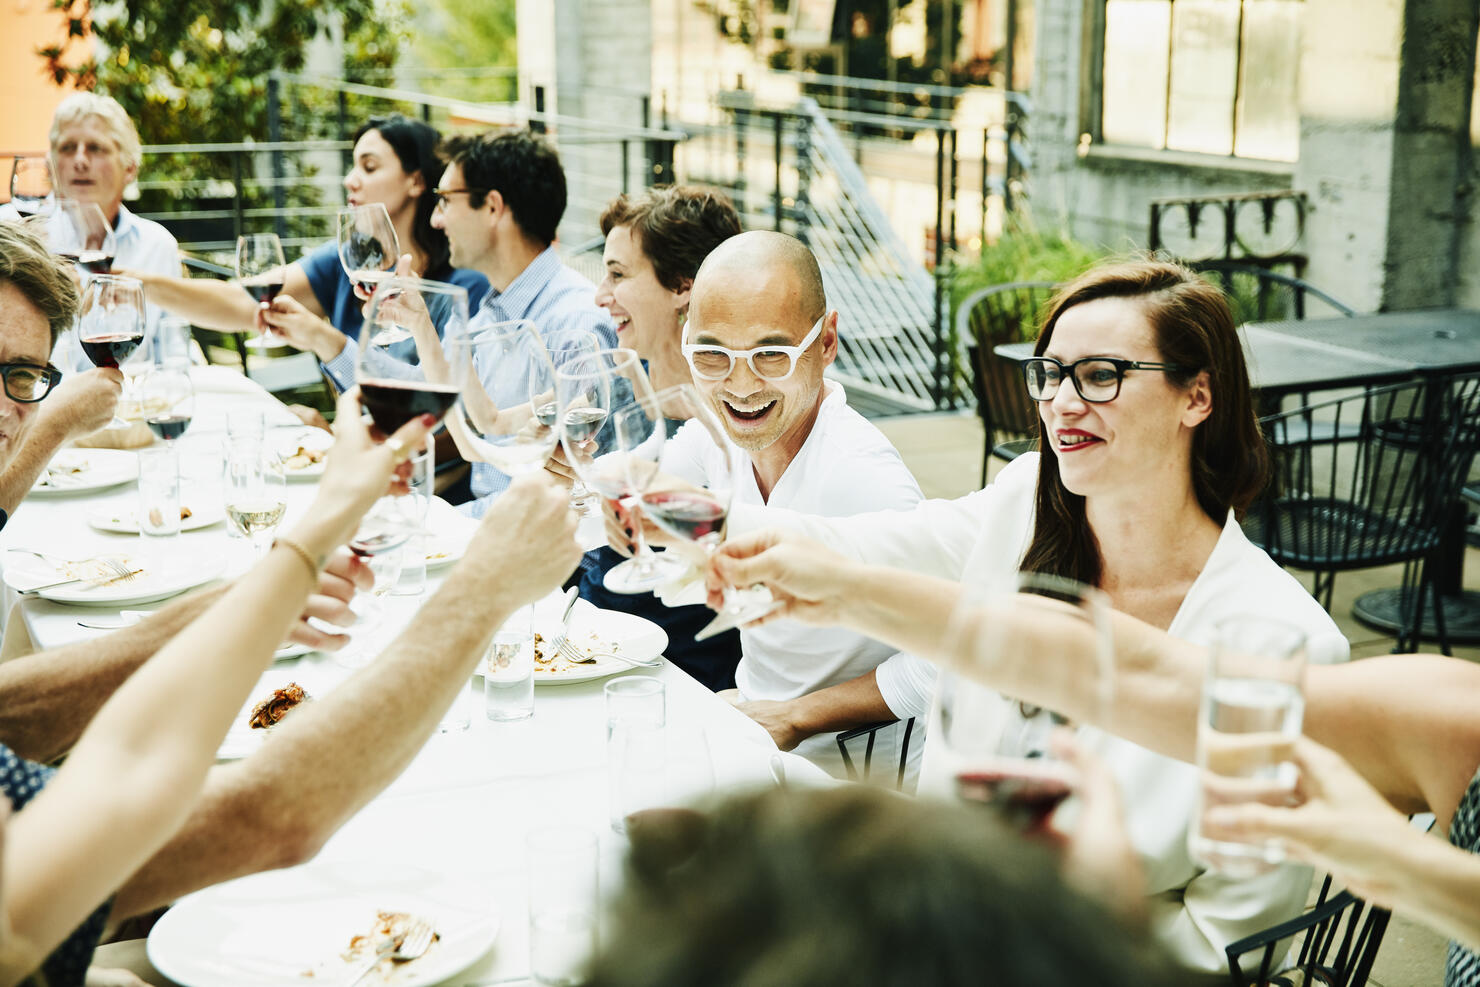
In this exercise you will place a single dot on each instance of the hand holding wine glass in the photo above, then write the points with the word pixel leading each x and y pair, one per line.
pixel 110 324
pixel 368 246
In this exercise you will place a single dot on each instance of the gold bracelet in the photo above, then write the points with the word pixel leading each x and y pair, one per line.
pixel 301 552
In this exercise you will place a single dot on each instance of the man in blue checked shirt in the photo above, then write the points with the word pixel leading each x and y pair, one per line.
pixel 499 202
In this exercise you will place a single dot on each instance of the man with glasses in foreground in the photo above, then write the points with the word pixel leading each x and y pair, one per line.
pixel 31 431
pixel 758 338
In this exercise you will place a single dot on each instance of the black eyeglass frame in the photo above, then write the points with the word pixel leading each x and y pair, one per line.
pixel 1121 366
pixel 442 193
pixel 46 374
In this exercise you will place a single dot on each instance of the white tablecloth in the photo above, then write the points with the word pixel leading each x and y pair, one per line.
pixel 466 803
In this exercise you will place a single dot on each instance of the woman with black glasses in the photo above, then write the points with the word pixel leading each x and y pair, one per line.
pixel 1148 453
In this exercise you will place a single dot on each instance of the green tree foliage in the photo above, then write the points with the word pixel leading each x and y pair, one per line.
pixel 465 50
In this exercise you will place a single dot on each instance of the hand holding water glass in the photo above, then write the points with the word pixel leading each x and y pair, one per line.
pixel 1253 704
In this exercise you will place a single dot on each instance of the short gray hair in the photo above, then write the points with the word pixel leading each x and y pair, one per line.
pixel 80 106
pixel 42 278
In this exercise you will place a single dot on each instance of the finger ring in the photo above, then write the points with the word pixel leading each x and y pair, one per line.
pixel 400 450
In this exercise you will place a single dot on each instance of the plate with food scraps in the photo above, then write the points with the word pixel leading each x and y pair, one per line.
pixel 151 578
pixel 593 630
pixel 75 471
pixel 126 520
pixel 320 934
pixel 303 452
pixel 277 695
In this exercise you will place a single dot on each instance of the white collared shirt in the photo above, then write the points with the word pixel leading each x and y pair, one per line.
pixel 845 466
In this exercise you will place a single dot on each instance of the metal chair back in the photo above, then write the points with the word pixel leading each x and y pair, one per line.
pixel 1368 480
pixel 1004 313
pixel 1342 936
pixel 871 731
pixel 1261 295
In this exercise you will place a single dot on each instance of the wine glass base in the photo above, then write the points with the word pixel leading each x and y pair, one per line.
pixel 628 579
pixel 737 617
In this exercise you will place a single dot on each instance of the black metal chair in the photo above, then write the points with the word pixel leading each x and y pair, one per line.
pixel 1261 295
pixel 1004 313
pixel 871 731
pixel 1356 943
pixel 1367 481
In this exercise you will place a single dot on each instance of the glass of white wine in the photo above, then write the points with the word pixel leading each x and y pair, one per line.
pixel 256 494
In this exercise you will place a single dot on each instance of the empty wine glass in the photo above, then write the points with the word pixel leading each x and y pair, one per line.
pixel 697 516
pixel 506 374
pixel 368 246
pixel 608 409
pixel 370 608
pixel 81 233
pixel 565 345
pixel 30 184
pixel 167 399
pixel 260 270
pixel 256 493
pixel 110 325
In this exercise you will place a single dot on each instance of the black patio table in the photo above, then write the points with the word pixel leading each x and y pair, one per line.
pixel 1310 355
pixel 1432 342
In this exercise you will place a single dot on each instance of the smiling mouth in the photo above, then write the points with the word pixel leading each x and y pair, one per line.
pixel 1070 443
pixel 752 415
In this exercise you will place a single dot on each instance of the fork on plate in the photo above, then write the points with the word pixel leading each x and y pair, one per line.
pixel 409 946
pixel 570 652
pixel 115 569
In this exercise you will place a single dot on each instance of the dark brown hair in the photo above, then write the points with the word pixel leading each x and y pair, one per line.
pixel 1194 329
pixel 38 275
pixel 676 226
pixel 520 166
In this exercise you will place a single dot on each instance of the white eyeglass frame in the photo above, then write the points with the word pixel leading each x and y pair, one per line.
pixel 795 352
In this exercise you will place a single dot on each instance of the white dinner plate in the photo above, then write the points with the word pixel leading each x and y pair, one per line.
pixel 287 443
pixel 636 637
pixel 444 549
pixel 217 939
pixel 75 471
pixel 161 578
pixel 126 520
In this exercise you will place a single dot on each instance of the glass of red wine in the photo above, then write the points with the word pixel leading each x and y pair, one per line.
pixel 368 246
pixel 80 232
pixel 167 399
pixel 697 515
pixel 412 354
pixel 110 324
pixel 613 434
pixel 260 270
pixel 30 184
pixel 999 747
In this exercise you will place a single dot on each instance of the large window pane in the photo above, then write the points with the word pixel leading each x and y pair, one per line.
pixel 1268 119
pixel 1135 72
pixel 1204 71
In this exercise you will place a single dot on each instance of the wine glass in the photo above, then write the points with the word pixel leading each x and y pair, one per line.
pixel 698 516
pixel 256 493
pixel 167 399
pixel 110 325
pixel 30 184
pixel 506 373
pixel 1000 746
pixel 260 270
pixel 80 232
pixel 605 398
pixel 565 345
pixel 413 351
pixel 368 246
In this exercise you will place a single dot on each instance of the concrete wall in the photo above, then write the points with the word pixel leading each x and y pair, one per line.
pixel 1385 106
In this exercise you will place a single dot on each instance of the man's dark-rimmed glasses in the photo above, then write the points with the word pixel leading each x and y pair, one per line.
pixel 1096 378
pixel 28 382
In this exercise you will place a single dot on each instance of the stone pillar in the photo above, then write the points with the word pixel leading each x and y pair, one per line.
pixel 1384 144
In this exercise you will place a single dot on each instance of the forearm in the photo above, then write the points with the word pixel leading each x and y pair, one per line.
pixel 326 761
pixel 40 443
pixel 1431 881
pixel 132 778
pixel 48 698
pixel 850 704
pixel 206 302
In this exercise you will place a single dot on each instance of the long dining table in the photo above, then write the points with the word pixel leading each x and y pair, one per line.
pixel 452 827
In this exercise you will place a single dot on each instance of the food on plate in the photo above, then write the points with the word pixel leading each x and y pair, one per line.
pixel 304 457
pixel 270 711
pixel 57 473
pixel 156 516
pixel 549 661
pixel 437 556
pixel 386 935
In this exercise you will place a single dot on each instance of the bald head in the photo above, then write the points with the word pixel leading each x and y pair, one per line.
pixel 773 268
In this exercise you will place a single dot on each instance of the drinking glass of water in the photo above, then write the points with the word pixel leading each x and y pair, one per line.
pixel 1253 702
pixel 563 895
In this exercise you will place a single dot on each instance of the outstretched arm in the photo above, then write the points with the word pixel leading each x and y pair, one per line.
pixel 323 763
pixel 139 766
pixel 221 305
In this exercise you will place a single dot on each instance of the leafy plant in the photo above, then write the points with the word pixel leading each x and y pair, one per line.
pixel 1025 253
